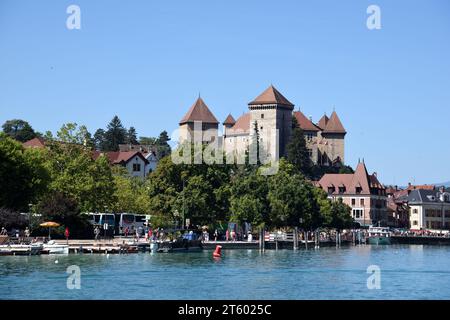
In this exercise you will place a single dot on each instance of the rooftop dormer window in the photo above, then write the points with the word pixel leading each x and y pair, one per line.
pixel 330 189
pixel 358 190
pixel 342 189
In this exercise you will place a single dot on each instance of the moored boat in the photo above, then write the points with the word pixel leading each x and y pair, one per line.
pixel 21 249
pixel 52 247
pixel 379 236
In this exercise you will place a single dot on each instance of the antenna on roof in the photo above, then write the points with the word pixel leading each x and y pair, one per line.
pixel 199 96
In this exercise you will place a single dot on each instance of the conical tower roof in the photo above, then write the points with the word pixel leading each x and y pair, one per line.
pixel 271 96
pixel 323 122
pixel 334 124
pixel 229 120
pixel 199 112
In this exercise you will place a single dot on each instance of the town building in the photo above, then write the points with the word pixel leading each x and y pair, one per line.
pixel 269 116
pixel 139 163
pixel 362 192
pixel 429 209
pixel 134 161
pixel 397 207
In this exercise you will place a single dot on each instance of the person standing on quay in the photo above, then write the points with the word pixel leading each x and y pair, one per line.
pixel 216 235
pixel 227 235
pixel 96 232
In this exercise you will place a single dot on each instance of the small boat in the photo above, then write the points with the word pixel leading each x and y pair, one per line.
pixel 379 235
pixel 21 249
pixel 52 247
pixel 190 241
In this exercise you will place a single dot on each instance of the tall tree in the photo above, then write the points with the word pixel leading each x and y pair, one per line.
pixel 72 133
pixel 100 140
pixel 163 146
pixel 115 134
pixel 297 152
pixel 132 136
pixel 19 130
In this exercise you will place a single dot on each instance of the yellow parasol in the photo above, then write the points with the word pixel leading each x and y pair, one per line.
pixel 49 224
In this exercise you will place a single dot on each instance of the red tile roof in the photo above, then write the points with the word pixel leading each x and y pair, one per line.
pixel 350 181
pixel 229 120
pixel 334 125
pixel 242 125
pixel 199 111
pixel 304 122
pixel 271 96
pixel 119 157
pixel 421 187
pixel 323 122
pixel 34 143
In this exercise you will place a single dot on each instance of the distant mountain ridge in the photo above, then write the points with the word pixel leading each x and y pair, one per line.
pixel 445 184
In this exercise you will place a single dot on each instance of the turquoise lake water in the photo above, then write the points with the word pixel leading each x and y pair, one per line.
pixel 407 272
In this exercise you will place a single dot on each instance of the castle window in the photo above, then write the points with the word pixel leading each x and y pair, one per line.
pixel 362 202
pixel 262 115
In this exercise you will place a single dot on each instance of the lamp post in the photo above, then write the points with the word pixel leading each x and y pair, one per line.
pixel 105 223
pixel 184 208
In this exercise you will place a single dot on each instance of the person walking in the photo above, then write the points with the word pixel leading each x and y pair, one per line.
pixel 227 235
pixel 96 232
pixel 27 232
pixel 126 232
pixel 216 235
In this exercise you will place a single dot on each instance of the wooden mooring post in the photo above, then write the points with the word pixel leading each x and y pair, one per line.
pixel 317 239
pixel 306 239
pixel 262 243
pixel 295 238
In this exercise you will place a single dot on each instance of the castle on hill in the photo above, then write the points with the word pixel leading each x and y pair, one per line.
pixel 270 116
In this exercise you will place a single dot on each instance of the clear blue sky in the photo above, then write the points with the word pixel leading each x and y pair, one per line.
pixel 146 61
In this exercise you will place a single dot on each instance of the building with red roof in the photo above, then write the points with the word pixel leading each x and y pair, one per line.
pixel 362 192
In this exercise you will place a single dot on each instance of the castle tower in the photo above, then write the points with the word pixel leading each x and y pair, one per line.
pixel 227 124
pixel 332 145
pixel 200 122
pixel 271 111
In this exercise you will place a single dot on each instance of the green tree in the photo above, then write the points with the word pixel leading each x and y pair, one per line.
pixel 100 142
pixel 131 136
pixel 339 216
pixel 22 174
pixel 131 195
pixel 19 130
pixel 297 152
pixel 115 134
pixel 64 210
pixel 72 133
pixel 249 199
pixel 290 197
pixel 76 175
pixel 163 147
pixel 147 141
